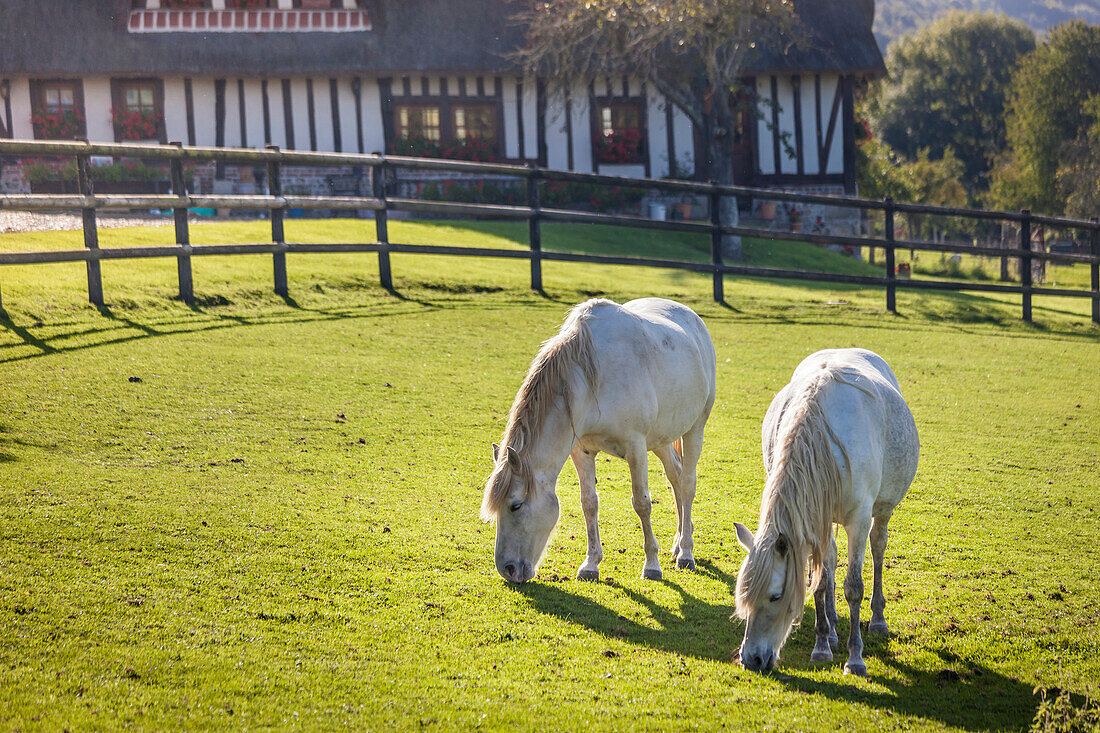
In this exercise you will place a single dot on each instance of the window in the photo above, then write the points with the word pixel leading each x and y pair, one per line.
pixel 474 121
pixel 620 138
pixel 418 122
pixel 137 109
pixel 57 109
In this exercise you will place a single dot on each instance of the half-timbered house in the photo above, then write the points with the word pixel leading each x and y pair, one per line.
pixel 412 76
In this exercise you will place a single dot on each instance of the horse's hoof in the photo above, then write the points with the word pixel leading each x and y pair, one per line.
pixel 833 640
pixel 878 627
pixel 856 669
pixel 821 655
pixel 685 563
pixel 652 574
pixel 588 575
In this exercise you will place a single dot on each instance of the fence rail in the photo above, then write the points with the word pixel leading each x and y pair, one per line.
pixel 277 203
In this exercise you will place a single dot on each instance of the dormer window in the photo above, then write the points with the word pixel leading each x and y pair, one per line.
pixel 248 16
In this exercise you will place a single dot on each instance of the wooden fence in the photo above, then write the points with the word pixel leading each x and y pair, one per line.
pixel 382 168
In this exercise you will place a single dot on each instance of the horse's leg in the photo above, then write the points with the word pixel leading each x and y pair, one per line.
pixel 853 591
pixel 670 460
pixel 692 446
pixel 878 601
pixel 590 503
pixel 823 651
pixel 637 459
pixel 830 597
pixel 824 602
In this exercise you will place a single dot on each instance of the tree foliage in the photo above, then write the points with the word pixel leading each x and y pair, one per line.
pixel 1049 117
pixel 1078 175
pixel 947 89
pixel 692 51
pixel 896 18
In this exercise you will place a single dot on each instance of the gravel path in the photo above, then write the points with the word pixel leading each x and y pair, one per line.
pixel 36 221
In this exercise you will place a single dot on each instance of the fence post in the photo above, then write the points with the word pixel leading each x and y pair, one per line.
pixel 534 226
pixel 891 268
pixel 91 234
pixel 1094 246
pixel 1025 263
pixel 183 233
pixel 275 186
pixel 381 224
pixel 716 242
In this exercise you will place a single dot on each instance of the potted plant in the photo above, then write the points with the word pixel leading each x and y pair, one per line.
pixel 794 216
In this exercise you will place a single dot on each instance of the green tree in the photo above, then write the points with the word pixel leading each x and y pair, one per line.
pixel 693 51
pixel 1078 176
pixel 1048 107
pixel 947 89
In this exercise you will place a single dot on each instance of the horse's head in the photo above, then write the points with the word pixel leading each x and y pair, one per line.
pixel 770 594
pixel 525 515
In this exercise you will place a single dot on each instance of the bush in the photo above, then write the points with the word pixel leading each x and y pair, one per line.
pixel 552 194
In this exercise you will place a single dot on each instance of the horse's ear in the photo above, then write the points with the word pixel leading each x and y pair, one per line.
pixel 744 536
pixel 496 452
pixel 781 545
pixel 513 460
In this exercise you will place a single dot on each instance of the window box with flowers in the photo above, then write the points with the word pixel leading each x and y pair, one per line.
pixel 482 149
pixel 132 124
pixel 619 146
pixel 57 125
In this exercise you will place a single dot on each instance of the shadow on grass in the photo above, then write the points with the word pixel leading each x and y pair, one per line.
pixel 958 693
pixel 955 692
pixel 699 629
pixel 958 312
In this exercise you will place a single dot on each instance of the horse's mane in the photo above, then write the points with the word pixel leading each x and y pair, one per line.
pixel 547 379
pixel 800 495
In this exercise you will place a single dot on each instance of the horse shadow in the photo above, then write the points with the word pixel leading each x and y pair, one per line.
pixel 953 691
pixel 698 629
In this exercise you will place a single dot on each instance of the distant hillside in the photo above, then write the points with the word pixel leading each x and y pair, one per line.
pixel 894 18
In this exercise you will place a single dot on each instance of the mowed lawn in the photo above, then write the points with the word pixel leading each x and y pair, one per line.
pixel 260 512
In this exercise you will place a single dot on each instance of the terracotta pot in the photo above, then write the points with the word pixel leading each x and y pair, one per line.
pixel 682 211
pixel 767 211
pixel 796 226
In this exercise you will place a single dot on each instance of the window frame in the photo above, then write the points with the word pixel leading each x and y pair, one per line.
pixel 399 106
pixel 119 85
pixel 447 106
pixel 38 89
pixel 636 105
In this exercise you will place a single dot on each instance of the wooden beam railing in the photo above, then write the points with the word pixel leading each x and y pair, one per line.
pixel 381 203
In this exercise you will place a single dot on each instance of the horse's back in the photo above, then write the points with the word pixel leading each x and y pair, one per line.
pixel 655 364
pixel 863 406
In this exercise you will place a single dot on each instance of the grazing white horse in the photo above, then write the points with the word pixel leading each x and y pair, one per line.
pixel 840 446
pixel 622 379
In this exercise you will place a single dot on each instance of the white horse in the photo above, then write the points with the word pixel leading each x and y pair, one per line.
pixel 622 379
pixel 840 446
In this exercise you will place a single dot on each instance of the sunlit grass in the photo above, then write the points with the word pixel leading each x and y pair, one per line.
pixel 259 512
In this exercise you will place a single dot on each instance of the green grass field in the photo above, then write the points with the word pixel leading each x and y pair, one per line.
pixel 262 513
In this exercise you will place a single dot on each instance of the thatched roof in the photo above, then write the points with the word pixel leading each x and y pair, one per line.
pixel 80 37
